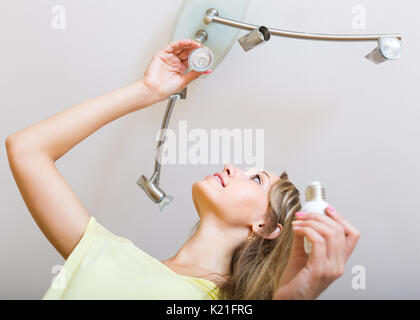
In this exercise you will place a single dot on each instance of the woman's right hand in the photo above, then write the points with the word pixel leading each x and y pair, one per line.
pixel 166 75
pixel 333 239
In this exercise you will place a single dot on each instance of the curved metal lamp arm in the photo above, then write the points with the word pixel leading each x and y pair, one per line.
pixel 151 186
pixel 212 15
pixel 162 137
pixel 162 134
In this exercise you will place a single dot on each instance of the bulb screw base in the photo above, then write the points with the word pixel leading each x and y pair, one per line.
pixel 315 191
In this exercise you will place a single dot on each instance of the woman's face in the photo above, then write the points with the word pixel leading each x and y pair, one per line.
pixel 239 198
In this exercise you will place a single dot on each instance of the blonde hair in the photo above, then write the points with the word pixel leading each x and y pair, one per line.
pixel 258 264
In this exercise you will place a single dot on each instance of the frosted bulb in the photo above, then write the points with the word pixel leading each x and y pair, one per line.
pixel 390 48
pixel 200 59
pixel 315 203
pixel 163 204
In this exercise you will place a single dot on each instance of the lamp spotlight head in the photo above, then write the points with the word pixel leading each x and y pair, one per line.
pixel 154 192
pixel 254 38
pixel 389 48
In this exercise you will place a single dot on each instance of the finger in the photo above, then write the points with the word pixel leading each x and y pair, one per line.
pixel 185 53
pixel 187 67
pixel 297 243
pixel 177 46
pixel 190 76
pixel 349 229
pixel 186 64
pixel 335 239
pixel 335 227
pixel 319 249
pixel 321 218
pixel 352 234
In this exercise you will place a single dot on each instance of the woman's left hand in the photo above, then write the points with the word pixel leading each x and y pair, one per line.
pixel 333 239
pixel 165 74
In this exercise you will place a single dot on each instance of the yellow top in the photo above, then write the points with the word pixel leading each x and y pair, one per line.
pixel 106 266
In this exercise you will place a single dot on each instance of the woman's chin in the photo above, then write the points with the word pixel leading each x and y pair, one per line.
pixel 205 192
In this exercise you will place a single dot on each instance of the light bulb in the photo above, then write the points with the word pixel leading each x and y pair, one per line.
pixel 164 203
pixel 315 202
pixel 390 48
pixel 200 59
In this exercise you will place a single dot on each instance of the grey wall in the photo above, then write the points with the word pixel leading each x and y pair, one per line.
pixel 327 112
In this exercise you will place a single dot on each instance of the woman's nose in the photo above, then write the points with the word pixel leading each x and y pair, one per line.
pixel 229 170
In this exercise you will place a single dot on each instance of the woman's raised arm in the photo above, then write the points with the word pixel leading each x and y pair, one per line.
pixel 32 152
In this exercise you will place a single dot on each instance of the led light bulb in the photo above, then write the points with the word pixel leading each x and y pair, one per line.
pixel 315 203
pixel 201 59
pixel 390 48
pixel 164 203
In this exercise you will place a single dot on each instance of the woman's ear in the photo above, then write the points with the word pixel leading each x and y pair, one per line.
pixel 272 235
pixel 275 233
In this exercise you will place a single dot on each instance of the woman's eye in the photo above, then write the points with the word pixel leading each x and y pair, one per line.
pixel 258 177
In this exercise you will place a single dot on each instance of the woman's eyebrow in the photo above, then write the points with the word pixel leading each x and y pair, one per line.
pixel 261 171
pixel 266 174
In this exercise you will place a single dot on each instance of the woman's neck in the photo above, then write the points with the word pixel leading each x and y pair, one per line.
pixel 208 250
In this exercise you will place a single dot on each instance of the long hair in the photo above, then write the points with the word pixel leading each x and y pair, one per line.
pixel 258 264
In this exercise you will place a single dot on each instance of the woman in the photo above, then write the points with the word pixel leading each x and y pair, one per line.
pixel 248 244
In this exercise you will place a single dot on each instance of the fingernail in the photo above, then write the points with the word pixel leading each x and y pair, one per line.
pixel 296 222
pixel 208 72
pixel 331 209
pixel 300 214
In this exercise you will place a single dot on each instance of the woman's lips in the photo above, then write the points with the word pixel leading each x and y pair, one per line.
pixel 216 178
pixel 219 178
